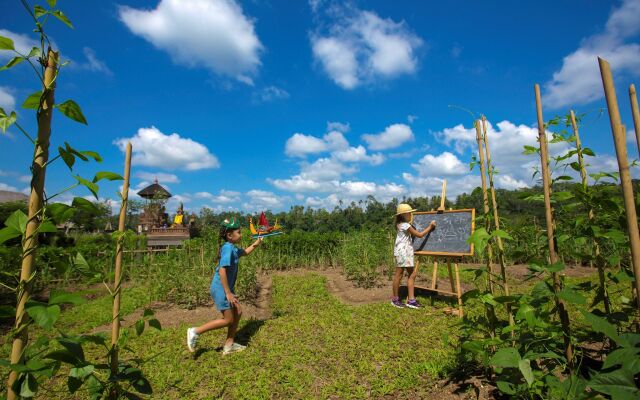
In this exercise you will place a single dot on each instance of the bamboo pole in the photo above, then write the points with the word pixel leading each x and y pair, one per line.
pixel 636 114
pixel 442 197
pixel 496 218
pixel 485 200
pixel 553 258
pixel 36 200
pixel 619 136
pixel 585 183
pixel 115 322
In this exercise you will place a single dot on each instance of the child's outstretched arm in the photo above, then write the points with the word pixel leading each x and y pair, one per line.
pixel 424 232
pixel 253 246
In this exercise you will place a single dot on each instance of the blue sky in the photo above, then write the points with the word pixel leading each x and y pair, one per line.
pixel 257 105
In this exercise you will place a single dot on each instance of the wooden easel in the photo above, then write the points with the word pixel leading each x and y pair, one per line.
pixel 456 289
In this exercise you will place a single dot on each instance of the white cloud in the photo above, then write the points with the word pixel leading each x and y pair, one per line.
pixel 432 186
pixel 509 183
pixel 4 186
pixel 338 126
pixel 214 34
pixel 358 154
pixel 22 43
pixel 270 93
pixel 299 145
pixel 155 149
pixel 223 197
pixel 93 63
pixel 162 177
pixel 393 136
pixel 7 100
pixel 411 118
pixel 360 47
pixel 446 164
pixel 578 80
pixel 260 200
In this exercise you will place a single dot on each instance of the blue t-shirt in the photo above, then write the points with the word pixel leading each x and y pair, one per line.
pixel 229 256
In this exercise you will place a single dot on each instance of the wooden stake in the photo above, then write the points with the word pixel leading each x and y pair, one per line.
pixel 36 200
pixel 636 114
pixel 458 289
pixel 585 183
pixel 115 322
pixel 619 137
pixel 546 186
pixel 496 217
pixel 485 198
pixel 442 197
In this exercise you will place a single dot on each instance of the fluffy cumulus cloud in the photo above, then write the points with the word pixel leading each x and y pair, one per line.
pixel 445 164
pixel 260 200
pixel 578 80
pixel 427 186
pixel 360 47
pixel 223 197
pixel 153 148
pixel 7 100
pixel 393 136
pixel 214 34
pixel 162 177
pixel 22 43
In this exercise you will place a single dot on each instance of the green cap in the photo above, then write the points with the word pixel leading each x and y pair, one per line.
pixel 231 223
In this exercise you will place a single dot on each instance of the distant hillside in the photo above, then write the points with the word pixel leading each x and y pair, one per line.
pixel 7 196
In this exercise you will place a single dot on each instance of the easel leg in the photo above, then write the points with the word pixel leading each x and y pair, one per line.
pixel 453 286
pixel 434 281
pixel 458 289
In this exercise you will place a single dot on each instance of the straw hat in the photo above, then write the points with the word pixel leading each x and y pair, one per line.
pixel 404 208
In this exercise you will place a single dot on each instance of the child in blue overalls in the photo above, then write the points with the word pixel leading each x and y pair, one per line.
pixel 222 288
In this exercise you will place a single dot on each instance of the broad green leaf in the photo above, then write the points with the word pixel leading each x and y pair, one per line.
pixel 602 325
pixel 89 185
pixel 154 323
pixel 525 368
pixel 6 43
pixel 80 262
pixel 6 120
pixel 52 3
pixel 33 101
pixel 487 298
pixel 142 385
pixel 139 327
pixel 45 316
pixel 58 14
pixel 82 372
pixel 527 313
pixel 618 384
pixel 67 157
pixel 47 226
pixel 112 176
pixel 507 357
pixel 12 63
pixel 39 11
pixel 506 387
pixel 629 358
pixel 501 234
pixel 575 166
pixel 530 150
pixel 84 204
pixel 64 356
pixel 18 221
pixel 73 384
pixel 72 110
pixel 571 296
pixel 92 154
pixel 73 345
pixel 65 298
pixel 587 151
pixel 60 212
pixel 8 233
pixel 29 386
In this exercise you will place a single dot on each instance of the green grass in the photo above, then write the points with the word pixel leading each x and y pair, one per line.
pixel 313 347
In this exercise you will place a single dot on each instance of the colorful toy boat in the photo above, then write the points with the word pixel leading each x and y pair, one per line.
pixel 263 228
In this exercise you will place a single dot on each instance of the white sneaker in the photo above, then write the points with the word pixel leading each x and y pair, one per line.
pixel 234 348
pixel 192 339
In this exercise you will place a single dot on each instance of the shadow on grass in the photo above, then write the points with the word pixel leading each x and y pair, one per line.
pixel 243 336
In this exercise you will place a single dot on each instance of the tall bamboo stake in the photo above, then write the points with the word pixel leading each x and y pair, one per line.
pixel 36 200
pixel 619 138
pixel 585 183
pixel 546 182
pixel 636 114
pixel 494 203
pixel 115 323
pixel 485 200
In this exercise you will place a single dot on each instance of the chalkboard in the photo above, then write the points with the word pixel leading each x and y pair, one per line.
pixel 453 228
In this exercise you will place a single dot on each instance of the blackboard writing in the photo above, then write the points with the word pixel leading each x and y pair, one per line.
pixel 453 228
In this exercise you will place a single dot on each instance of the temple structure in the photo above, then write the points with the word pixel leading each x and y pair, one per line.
pixel 154 221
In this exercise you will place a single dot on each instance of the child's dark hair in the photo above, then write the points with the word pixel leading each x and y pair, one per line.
pixel 399 219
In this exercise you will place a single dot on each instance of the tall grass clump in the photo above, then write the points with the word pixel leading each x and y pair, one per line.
pixel 366 256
